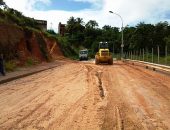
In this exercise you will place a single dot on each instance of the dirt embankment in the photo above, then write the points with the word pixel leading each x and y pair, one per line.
pixel 21 44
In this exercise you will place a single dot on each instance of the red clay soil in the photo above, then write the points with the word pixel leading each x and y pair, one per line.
pixel 26 44
pixel 85 96
pixel 56 52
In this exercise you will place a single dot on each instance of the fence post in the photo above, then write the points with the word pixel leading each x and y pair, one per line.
pixel 131 55
pixel 113 49
pixel 158 54
pixel 128 54
pixel 136 55
pixel 143 54
pixel 152 55
pixel 140 55
pixel 147 55
pixel 166 54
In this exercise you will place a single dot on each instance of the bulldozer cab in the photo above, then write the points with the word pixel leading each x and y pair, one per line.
pixel 103 55
pixel 103 49
pixel 103 45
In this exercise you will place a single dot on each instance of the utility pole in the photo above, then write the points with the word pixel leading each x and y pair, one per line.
pixel 122 45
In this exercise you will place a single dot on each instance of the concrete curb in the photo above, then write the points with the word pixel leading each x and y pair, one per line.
pixel 155 67
pixel 26 74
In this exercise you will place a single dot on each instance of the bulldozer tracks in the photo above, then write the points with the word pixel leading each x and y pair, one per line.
pixel 119 120
pixel 99 74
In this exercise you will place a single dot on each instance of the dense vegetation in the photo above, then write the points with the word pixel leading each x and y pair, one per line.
pixel 142 36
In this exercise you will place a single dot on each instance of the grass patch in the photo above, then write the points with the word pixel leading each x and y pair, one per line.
pixel 51 36
pixel 10 66
pixel 31 61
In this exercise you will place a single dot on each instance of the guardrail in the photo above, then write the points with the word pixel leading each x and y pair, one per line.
pixel 149 65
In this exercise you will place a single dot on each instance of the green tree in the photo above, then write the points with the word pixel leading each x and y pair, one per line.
pixel 2 3
pixel 70 27
pixel 142 37
pixel 91 24
pixel 160 33
pixel 51 31
pixel 75 29
pixel 91 33
pixel 167 40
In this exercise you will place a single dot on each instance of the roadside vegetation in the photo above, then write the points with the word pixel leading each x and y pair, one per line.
pixel 142 36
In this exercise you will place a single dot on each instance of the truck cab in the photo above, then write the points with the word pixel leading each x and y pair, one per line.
pixel 83 54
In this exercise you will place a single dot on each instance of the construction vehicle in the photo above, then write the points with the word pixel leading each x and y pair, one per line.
pixel 103 55
pixel 83 54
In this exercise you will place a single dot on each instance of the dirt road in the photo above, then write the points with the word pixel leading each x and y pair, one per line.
pixel 84 96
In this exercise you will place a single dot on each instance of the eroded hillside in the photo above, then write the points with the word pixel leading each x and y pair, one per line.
pixel 23 43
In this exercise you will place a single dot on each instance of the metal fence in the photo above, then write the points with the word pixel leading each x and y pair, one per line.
pixel 158 55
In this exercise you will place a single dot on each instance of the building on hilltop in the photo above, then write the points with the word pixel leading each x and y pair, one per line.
pixel 42 24
pixel 61 29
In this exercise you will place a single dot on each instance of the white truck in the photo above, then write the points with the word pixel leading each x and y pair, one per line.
pixel 83 54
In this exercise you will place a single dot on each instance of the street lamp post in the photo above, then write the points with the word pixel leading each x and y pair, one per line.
pixel 122 45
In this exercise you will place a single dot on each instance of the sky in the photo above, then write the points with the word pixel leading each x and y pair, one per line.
pixel 131 11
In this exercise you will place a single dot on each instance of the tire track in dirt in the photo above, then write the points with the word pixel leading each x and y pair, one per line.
pixel 161 78
pixel 113 119
pixel 85 96
pixel 144 93
pixel 90 112
pixel 30 114
pixel 26 116
pixel 119 121
pixel 57 123
pixel 147 76
pixel 26 112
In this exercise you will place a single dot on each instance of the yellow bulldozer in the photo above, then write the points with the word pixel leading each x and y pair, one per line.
pixel 103 55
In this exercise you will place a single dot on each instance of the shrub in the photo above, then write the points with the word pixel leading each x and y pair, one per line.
pixel 49 35
pixel 10 66
pixel 31 61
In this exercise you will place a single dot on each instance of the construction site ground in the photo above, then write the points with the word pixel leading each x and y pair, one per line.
pixel 84 96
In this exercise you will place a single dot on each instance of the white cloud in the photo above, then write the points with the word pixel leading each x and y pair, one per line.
pixel 139 10
pixel 132 11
